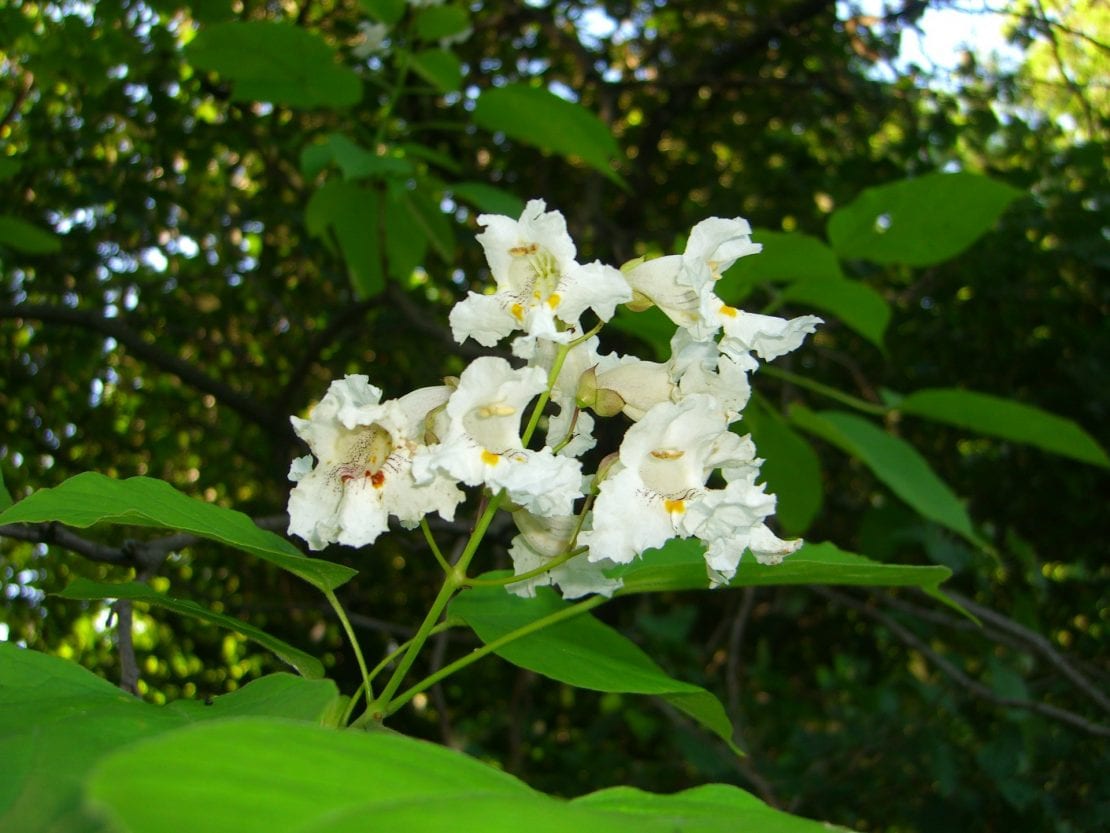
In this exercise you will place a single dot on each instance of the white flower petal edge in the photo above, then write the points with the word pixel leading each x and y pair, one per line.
pixel 481 443
pixel 541 540
pixel 363 475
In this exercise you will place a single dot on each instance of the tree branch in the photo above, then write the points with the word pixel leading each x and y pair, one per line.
pixel 973 686
pixel 262 415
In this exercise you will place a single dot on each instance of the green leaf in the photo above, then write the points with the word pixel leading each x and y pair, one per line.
pixel 406 244
pixel 81 588
pixel 261 775
pixel 91 498
pixel 488 199
pixel 5 495
pixel 24 237
pixel 650 326
pixel 540 118
pixel 426 212
pixel 351 213
pixel 275 695
pixel 857 305
pixel 384 11
pixel 791 468
pixel 439 68
pixel 787 257
pixel 680 565
pixel 894 462
pixel 580 651
pixel 276 62
pixel 998 417
pixel 437 22
pixel 57 719
pixel 356 162
pixel 919 221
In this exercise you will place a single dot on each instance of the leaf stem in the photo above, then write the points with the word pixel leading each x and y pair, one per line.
pixel 338 608
pixel 490 647
pixel 825 390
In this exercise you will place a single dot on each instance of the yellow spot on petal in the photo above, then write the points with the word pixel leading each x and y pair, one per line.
pixel 518 312
pixel 487 411
pixel 675 507
pixel 731 312
pixel 667 453
pixel 553 300
pixel 489 458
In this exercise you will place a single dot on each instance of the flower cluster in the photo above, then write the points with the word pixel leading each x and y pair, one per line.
pixel 680 469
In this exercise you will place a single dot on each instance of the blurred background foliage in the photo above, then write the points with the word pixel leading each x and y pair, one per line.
pixel 185 305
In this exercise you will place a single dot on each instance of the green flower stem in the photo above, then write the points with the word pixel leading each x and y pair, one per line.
pixel 513 579
pixel 541 403
pixel 446 624
pixel 338 608
pixel 433 546
pixel 490 647
pixel 825 390
pixel 453 581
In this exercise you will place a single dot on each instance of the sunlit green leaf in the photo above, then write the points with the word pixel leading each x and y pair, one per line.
pixel 680 565
pixel 435 22
pixel 440 68
pixel 406 243
pixel 580 651
pixel 919 221
pixel 92 498
pixel 351 214
pixel 488 198
pixel 57 719
pixel 859 306
pixel 81 588
pixel 208 777
pixel 276 62
pixel 1005 418
pixel 5 495
pixel 790 468
pixel 540 118
pixel 23 237
pixel 894 462
pixel 384 11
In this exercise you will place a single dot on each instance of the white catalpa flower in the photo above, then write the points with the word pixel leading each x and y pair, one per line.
pixel 480 440
pixel 747 332
pixel 664 463
pixel 541 288
pixel 679 284
pixel 731 520
pixel 571 427
pixel 363 474
pixel 371 38
pixel 699 367
pixel 542 540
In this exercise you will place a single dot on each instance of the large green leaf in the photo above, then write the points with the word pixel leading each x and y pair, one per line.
pixel 384 11
pixel 894 462
pixel 488 198
pixel 92 498
pixel 440 68
pixel 437 22
pixel 81 588
pixel 57 720
pixel 919 221
pixel 355 161
pixel 276 62
pixel 351 214
pixel 24 237
pixel 680 565
pixel 1005 418
pixel 258 776
pixel 791 467
pixel 580 651
pixel 787 257
pixel 406 244
pixel 857 305
pixel 540 118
